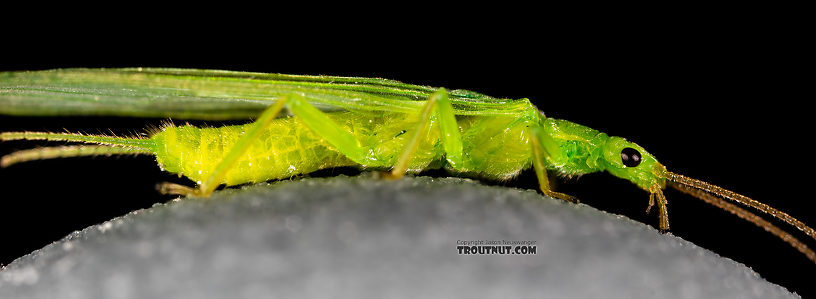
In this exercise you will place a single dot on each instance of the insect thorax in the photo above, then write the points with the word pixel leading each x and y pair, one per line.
pixel 580 147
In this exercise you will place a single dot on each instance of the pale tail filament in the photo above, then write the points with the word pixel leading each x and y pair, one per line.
pixel 67 152
pixel 103 145
pixel 706 192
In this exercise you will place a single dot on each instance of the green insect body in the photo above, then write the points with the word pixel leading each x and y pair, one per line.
pixel 336 121
pixel 496 149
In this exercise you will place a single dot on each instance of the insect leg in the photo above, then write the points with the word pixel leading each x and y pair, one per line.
pixel 657 195
pixel 328 130
pixel 539 143
pixel 451 138
pixel 313 118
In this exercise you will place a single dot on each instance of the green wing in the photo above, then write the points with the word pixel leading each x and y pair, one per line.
pixel 215 95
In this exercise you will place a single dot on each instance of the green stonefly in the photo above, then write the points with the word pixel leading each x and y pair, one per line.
pixel 369 123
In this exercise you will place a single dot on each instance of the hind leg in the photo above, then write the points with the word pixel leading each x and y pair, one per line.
pixel 313 118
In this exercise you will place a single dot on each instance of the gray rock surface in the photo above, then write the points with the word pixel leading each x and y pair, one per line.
pixel 362 237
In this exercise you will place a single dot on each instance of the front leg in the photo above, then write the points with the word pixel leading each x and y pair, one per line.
pixel 541 143
pixel 657 193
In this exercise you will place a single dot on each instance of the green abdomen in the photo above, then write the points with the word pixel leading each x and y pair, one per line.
pixel 284 150
pixel 288 148
pixel 496 147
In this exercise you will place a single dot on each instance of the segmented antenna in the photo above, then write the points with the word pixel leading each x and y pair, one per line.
pixel 744 214
pixel 739 198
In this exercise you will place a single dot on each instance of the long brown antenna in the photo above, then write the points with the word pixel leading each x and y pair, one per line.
pixel 744 214
pixel 741 199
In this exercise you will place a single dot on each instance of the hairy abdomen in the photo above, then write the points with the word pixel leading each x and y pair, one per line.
pixel 288 148
pixel 496 148
pixel 284 150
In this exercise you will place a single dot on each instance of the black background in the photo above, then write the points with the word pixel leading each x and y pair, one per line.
pixel 719 101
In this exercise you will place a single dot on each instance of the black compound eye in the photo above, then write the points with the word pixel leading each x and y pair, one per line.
pixel 630 157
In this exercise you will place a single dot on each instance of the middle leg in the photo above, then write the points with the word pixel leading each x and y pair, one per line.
pixel 439 106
